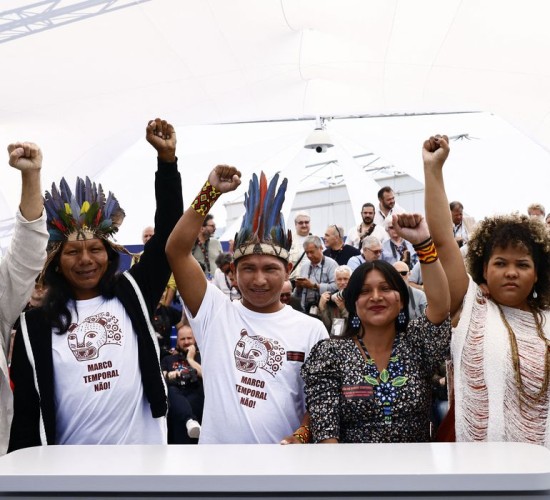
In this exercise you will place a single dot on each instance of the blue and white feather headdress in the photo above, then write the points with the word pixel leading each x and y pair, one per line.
pixel 263 228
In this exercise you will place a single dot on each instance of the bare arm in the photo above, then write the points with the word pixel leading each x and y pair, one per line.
pixel 27 157
pixel 414 228
pixel 434 153
pixel 189 276
pixel 191 352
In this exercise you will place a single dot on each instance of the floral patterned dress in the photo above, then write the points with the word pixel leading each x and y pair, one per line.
pixel 350 400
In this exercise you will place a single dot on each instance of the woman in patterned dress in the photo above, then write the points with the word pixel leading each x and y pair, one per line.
pixel 374 385
pixel 500 315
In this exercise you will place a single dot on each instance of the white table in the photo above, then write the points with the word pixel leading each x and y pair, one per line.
pixel 501 469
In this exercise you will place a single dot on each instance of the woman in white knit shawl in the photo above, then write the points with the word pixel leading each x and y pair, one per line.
pixel 500 313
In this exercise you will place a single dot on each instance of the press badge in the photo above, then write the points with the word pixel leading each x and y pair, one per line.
pixel 337 327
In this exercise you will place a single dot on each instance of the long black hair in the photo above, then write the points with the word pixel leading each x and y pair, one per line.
pixel 60 294
pixel 355 285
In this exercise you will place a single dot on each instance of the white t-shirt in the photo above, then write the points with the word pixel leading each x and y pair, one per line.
pixel 251 369
pixel 99 395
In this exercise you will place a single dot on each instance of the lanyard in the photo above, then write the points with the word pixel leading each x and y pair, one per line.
pixel 204 250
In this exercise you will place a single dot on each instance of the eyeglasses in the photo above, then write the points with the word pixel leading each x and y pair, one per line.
pixel 403 273
pixel 337 230
pixel 302 222
pixel 375 252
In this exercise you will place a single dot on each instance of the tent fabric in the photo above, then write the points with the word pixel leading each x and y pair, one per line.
pixel 85 90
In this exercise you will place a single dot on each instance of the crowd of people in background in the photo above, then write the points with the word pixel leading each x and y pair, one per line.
pixel 405 328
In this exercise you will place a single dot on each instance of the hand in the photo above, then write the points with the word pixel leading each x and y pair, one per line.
pixel 162 136
pixel 325 297
pixel 25 156
pixel 225 178
pixel 290 440
pixel 435 151
pixel 304 283
pixel 339 301
pixel 191 351
pixel 412 227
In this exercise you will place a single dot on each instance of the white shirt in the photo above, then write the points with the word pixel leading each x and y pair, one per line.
pixel 99 395
pixel 251 369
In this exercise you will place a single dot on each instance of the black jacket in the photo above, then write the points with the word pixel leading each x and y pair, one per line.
pixel 139 291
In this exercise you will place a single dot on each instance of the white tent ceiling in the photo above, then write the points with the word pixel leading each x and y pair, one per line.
pixel 85 90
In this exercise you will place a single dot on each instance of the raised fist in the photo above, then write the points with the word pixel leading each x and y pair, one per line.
pixel 25 156
pixel 225 178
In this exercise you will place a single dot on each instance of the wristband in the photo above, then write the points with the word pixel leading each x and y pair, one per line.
pixel 426 251
pixel 303 437
pixel 205 199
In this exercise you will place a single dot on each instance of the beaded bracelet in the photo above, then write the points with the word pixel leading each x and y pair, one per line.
pixel 426 251
pixel 205 199
pixel 303 437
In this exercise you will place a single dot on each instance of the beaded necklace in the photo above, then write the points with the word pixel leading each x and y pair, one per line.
pixel 524 395
pixel 387 381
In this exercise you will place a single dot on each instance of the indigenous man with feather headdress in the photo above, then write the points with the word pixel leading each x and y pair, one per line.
pixel 252 349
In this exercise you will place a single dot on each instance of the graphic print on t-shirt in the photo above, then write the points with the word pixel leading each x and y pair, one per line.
pixel 257 352
pixel 87 337
pixel 253 353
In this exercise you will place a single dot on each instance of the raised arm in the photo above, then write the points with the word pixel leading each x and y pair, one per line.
pixel 414 228
pixel 189 276
pixel 153 271
pixel 27 157
pixel 434 153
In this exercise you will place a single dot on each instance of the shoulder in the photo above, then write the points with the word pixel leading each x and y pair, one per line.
pixel 417 293
pixel 330 262
pixel 423 326
pixel 351 250
pixel 327 351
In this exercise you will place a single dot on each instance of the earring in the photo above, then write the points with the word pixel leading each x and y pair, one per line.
pixel 535 294
pixel 401 319
pixel 56 269
pixel 355 322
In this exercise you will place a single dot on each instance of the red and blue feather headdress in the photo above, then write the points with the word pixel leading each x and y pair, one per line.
pixel 263 228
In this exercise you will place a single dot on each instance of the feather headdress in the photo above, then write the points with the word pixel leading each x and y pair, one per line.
pixel 263 228
pixel 85 215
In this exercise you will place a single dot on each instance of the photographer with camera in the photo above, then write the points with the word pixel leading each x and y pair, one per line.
pixel 316 276
pixel 331 305
pixel 183 375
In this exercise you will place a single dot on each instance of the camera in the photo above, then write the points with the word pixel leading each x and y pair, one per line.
pixel 319 140
pixel 338 295
pixel 186 377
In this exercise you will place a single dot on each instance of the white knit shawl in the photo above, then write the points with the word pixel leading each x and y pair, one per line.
pixel 486 396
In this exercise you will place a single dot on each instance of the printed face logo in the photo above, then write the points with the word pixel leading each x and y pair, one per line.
pixel 256 352
pixel 85 339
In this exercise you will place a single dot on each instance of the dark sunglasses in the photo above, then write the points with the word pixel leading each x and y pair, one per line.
pixel 337 230
pixel 403 273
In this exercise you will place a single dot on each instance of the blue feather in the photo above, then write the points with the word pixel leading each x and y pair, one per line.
pixel 267 213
